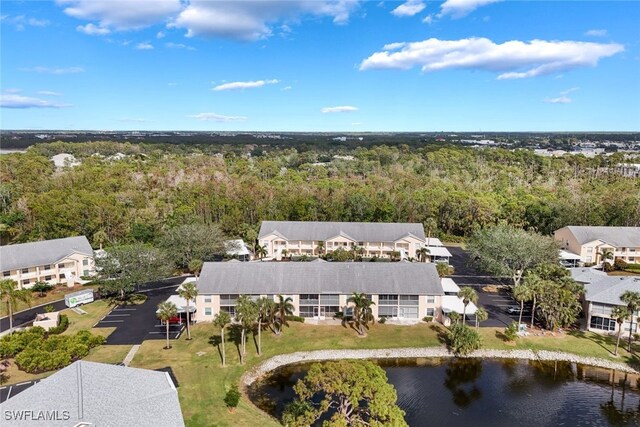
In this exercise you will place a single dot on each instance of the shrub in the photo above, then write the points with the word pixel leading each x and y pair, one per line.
pixel 606 266
pixel 296 319
pixel 42 288
pixel 62 326
pixel 620 264
pixel 10 345
pixel 49 309
pixel 511 332
pixel 427 319
pixel 232 398
pixel 462 339
pixel 382 320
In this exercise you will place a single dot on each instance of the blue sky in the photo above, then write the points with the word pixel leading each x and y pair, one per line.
pixel 346 65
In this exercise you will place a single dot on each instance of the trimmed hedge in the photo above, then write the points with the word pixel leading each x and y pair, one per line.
pixel 62 326
pixel 296 319
pixel 35 351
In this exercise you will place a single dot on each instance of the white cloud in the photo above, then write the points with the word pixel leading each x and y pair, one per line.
pixel 144 46
pixel 513 59
pixel 49 93
pixel 122 14
pixel 339 109
pixel 19 101
pixel 410 8
pixel 563 98
pixel 253 20
pixel 428 19
pixel 93 30
pixel 171 45
pixel 34 22
pixel 54 70
pixel 460 8
pixel 596 33
pixel 214 117
pixel 244 85
pixel 20 21
pixel 160 35
pixel 11 90
pixel 286 88
pixel 559 100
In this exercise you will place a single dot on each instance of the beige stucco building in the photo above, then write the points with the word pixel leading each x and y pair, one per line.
pixel 404 292
pixel 587 242
pixel 53 261
pixel 316 238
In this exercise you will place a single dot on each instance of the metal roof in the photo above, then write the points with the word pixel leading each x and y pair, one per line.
pixel 291 278
pixel 358 231
pixel 620 237
pixel 439 251
pixel 24 255
pixel 100 395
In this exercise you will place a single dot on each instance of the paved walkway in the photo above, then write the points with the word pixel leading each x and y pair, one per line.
pixel 127 360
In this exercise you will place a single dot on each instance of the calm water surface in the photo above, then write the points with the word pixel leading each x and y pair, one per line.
pixel 474 392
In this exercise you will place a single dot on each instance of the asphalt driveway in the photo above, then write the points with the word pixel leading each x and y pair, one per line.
pixel 136 323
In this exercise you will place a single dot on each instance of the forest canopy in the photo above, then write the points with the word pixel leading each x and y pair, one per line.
pixel 151 189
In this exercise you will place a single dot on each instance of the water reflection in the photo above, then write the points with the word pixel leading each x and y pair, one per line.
pixel 453 392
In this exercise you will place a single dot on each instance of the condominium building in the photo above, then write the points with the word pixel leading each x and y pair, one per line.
pixel 52 261
pixel 319 289
pixel 602 294
pixel 589 242
pixel 316 238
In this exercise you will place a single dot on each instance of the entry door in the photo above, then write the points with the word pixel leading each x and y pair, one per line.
pixel 319 313
pixel 401 312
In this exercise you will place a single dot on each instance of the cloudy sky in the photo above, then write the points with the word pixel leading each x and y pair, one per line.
pixel 313 65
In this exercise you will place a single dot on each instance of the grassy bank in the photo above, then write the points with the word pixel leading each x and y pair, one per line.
pixel 203 382
pixel 57 293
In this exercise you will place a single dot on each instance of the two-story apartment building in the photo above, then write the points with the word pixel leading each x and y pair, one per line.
pixel 316 238
pixel 587 242
pixel 52 261
pixel 602 294
pixel 403 291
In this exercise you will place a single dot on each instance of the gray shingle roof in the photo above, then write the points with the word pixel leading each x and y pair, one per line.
pixel 359 231
pixel 13 257
pixel 602 288
pixel 103 395
pixel 319 277
pixel 624 237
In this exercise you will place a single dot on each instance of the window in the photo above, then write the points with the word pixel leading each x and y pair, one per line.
pixel 47 278
pixel 228 303
pixel 431 299
pixel 6 273
pixel 603 323
pixel 632 249
pixel 85 272
pixel 25 282
pixel 207 298
pixel 60 265
pixel 388 300
pixel 207 311
pixel 85 261
pixel 360 243
pixel 589 250
pixel 431 312
pixel 309 299
pixel 408 299
pixel 25 270
pixel 47 267
pixel 601 309
pixel 62 276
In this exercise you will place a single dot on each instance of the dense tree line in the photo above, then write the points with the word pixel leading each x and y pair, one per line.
pixel 156 188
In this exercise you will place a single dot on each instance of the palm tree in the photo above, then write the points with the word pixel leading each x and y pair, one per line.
pixel 265 309
pixel 362 311
pixel 359 252
pixel 468 295
pixel 423 254
pixel 620 313
pixel 221 320
pixel 283 308
pixel 189 292
pixel 481 316
pixel 195 265
pixel 430 224
pixel 605 254
pixel 285 252
pixel 444 269
pixel 454 316
pixel 522 292
pixel 320 247
pixel 10 294
pixel 535 285
pixel 246 315
pixel 167 310
pixel 632 299
pixel 261 251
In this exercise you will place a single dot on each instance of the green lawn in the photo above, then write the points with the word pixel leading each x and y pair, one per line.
pixel 202 380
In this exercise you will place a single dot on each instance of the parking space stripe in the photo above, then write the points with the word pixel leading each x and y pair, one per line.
pixel 111 321
pixel 118 315
pixel 124 309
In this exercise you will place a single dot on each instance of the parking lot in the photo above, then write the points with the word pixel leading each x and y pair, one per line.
pixel 496 300
pixel 11 390
pixel 136 323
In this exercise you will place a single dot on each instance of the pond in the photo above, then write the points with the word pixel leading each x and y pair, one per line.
pixel 475 392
